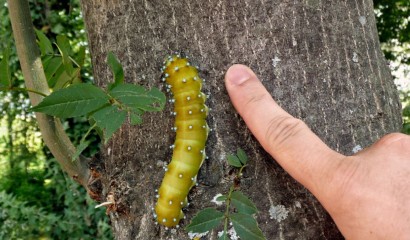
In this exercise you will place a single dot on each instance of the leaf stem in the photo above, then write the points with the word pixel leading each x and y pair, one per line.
pixel 18 89
pixel 59 55
pixel 228 200
pixel 88 132
pixel 80 148
pixel 228 205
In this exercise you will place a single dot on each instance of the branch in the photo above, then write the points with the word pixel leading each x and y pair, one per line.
pixel 30 60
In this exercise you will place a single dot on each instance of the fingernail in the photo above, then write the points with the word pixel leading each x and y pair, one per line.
pixel 238 74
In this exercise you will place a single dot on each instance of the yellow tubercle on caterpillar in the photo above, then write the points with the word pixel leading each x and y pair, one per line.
pixel 192 130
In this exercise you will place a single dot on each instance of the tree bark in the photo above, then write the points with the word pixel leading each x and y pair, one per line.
pixel 320 60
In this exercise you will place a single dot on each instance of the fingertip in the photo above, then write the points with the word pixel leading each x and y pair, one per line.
pixel 244 90
pixel 238 74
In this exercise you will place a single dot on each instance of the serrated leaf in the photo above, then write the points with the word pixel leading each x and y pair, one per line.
pixel 44 43
pixel 137 98
pixel 242 203
pixel 246 226
pixel 205 220
pixel 242 156
pixel 234 161
pixel 135 119
pixel 64 48
pixel 76 100
pixel 116 69
pixel 109 119
pixel 5 75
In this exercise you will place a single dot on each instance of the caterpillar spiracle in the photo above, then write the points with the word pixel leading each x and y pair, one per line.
pixel 191 130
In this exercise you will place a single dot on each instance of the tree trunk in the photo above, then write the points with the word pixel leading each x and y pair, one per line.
pixel 320 60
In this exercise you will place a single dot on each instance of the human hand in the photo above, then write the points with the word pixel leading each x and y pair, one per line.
pixel 367 194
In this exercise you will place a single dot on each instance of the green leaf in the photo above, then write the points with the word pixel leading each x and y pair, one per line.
pixel 44 43
pixel 83 143
pixel 51 67
pixel 80 58
pixel 242 156
pixel 127 89
pixel 76 100
pixel 64 47
pixel 160 96
pixel 224 236
pixel 80 148
pixel 116 69
pixel 242 203
pixel 5 75
pixel 234 161
pixel 246 226
pixel 109 119
pixel 135 119
pixel 96 128
pixel 46 59
pixel 60 76
pixel 64 79
pixel 205 220
pixel 222 198
pixel 64 44
pixel 76 77
pixel 137 98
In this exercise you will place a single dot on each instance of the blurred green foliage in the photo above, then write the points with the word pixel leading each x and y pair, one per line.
pixel 46 204
pixel 36 199
pixel 393 24
pixel 21 221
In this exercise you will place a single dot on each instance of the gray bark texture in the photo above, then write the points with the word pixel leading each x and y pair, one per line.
pixel 320 60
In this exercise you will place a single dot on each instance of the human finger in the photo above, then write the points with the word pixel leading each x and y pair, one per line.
pixel 289 141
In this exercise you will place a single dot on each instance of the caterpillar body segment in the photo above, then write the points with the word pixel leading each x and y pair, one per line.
pixel 192 131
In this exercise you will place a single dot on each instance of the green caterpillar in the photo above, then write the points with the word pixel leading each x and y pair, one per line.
pixel 191 134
